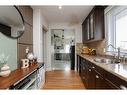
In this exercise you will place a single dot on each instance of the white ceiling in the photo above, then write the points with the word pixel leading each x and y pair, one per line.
pixel 68 14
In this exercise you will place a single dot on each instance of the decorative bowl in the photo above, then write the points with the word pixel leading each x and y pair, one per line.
pixel 5 73
pixel 5 67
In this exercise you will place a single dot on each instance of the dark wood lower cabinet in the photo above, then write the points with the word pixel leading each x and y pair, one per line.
pixel 87 74
pixel 110 85
pixel 84 72
pixel 101 83
pixel 93 77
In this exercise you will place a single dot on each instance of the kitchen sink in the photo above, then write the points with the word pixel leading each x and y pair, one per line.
pixel 105 61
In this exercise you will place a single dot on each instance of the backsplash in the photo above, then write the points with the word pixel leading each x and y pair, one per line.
pixel 98 45
pixel 8 47
pixel 79 47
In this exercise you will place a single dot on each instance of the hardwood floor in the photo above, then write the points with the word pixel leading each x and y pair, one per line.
pixel 63 80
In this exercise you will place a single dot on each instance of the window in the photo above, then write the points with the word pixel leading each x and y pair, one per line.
pixel 116 27
pixel 121 30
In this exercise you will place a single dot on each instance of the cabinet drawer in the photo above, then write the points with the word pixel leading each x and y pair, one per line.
pixel 116 80
pixel 110 85
pixel 98 69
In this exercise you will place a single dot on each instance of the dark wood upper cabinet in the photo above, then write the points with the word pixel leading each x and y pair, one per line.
pixel 93 25
pixel 86 28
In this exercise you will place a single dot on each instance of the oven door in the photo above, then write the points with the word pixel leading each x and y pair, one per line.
pixel 29 82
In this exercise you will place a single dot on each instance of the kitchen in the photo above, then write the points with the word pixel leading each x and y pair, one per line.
pixel 100 48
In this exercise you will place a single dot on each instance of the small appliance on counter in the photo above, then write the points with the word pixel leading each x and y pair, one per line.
pixel 89 51
pixel 85 50
pixel 92 52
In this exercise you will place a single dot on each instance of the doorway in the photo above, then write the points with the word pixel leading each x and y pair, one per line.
pixel 61 41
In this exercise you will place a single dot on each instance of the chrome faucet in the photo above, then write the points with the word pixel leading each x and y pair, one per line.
pixel 118 53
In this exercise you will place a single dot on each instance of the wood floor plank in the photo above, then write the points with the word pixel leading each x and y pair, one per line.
pixel 63 80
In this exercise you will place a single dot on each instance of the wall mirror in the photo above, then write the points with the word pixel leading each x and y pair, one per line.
pixel 11 21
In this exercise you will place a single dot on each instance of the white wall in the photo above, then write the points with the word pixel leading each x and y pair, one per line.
pixel 78 37
pixel 76 27
pixel 49 47
pixel 38 23
pixel 78 33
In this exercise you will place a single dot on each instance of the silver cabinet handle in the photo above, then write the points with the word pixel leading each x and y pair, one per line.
pixel 83 60
pixel 123 87
pixel 83 77
pixel 89 70
pixel 93 67
pixel 97 76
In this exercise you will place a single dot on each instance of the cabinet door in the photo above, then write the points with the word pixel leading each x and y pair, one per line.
pixel 78 64
pixel 84 71
pixel 84 33
pixel 87 29
pixel 99 23
pixel 41 77
pixel 101 83
pixel 92 26
pixel 110 85
pixel 80 68
pixel 91 79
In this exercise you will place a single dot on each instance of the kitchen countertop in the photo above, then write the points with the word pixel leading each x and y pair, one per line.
pixel 18 75
pixel 120 70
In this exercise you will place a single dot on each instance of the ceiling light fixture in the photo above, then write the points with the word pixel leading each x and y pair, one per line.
pixel 60 6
